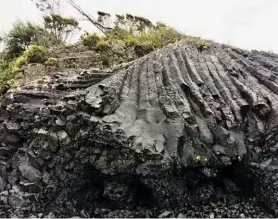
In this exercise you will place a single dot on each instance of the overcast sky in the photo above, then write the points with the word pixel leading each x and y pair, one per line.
pixel 250 24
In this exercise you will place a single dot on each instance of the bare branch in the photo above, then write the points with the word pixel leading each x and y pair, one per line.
pixel 99 26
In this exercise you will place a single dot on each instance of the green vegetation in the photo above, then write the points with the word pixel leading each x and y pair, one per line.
pixel 90 40
pixel 33 54
pixel 60 27
pixel 56 30
pixel 19 62
pixel 142 40
pixel 6 76
pixel 21 36
pixel 9 69
pixel 51 61
pixel 161 36
pixel 105 60
pixel 156 36
pixel 102 46
pixel 28 43
pixel 203 45
pixel 124 40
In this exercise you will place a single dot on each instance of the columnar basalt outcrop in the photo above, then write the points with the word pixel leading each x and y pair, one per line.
pixel 179 132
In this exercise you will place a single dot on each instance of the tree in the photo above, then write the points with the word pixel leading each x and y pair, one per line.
pixel 60 27
pixel 57 25
pixel 21 36
pixel 127 22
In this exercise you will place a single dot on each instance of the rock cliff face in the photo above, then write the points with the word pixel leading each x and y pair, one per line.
pixel 179 132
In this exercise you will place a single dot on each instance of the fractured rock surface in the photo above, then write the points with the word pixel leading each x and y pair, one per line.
pixel 178 132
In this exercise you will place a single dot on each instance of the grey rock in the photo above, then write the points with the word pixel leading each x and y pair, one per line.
pixel 58 139
pixel 4 151
pixel 13 177
pixel 242 215
pixel 70 118
pixel 29 172
pixel 84 214
pixel 4 197
pixel 64 139
pixel 46 177
pixel 181 215
pixel 12 138
pixel 30 187
pixel 50 215
pixel 60 122
pixel 274 148
pixel 16 201
pixel 12 126
pixel 165 214
pixel 2 184
pixel 16 189
pixel 168 130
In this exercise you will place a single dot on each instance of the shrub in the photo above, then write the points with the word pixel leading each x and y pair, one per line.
pixel 132 41
pixel 12 83
pixel 146 41
pixel 90 40
pixel 16 69
pixel 9 69
pixel 21 36
pixel 143 49
pixel 20 61
pixel 160 25
pixel 118 34
pixel 202 45
pixel 60 27
pixel 51 61
pixel 102 46
pixel 6 75
pixel 132 34
pixel 105 60
pixel 35 54
pixel 160 37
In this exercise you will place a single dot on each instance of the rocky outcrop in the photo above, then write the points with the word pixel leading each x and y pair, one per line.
pixel 179 132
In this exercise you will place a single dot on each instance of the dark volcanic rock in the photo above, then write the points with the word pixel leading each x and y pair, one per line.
pixel 178 133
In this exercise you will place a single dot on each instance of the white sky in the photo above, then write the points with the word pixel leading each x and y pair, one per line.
pixel 250 24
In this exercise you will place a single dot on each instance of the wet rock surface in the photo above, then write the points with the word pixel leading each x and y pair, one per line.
pixel 178 133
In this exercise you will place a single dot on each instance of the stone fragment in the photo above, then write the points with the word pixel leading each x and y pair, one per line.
pixel 181 215
pixel 30 173
pixel 16 201
pixel 12 126
pixel 58 140
pixel 60 122
pixel 30 187
pixel 165 214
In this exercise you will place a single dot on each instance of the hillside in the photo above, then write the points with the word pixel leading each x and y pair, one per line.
pixel 189 130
